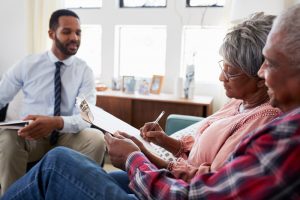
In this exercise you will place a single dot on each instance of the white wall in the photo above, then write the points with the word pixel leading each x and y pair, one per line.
pixel 111 15
pixel 296 1
pixel 14 33
pixel 15 42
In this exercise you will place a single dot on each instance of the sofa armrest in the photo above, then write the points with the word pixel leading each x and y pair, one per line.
pixel 177 122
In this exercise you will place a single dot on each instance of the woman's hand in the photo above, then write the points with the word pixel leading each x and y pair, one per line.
pixel 152 132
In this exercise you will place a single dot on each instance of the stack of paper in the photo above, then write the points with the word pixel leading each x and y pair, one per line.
pixel 14 124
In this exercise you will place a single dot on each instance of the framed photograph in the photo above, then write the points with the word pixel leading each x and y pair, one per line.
pixel 128 84
pixel 144 86
pixel 156 84
pixel 116 83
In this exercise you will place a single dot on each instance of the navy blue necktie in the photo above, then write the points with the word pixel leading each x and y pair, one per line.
pixel 57 92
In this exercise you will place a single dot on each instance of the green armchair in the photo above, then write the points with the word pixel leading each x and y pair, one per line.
pixel 177 122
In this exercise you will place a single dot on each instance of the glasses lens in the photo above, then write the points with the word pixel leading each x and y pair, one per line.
pixel 86 111
pixel 221 65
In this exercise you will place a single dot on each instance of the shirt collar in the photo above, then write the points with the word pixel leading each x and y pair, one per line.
pixel 54 59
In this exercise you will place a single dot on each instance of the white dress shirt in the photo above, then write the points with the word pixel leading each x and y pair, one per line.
pixel 34 75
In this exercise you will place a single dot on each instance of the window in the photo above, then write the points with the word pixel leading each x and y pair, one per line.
pixel 201 48
pixel 83 3
pixel 143 3
pixel 90 48
pixel 205 3
pixel 142 50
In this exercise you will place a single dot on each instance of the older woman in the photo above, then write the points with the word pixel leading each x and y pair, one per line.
pixel 249 107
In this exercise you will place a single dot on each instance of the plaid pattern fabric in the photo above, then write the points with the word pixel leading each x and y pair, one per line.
pixel 57 92
pixel 264 166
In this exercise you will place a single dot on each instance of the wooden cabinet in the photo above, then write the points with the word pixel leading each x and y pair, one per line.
pixel 137 109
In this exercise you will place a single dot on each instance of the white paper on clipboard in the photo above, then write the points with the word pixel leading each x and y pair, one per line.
pixel 109 122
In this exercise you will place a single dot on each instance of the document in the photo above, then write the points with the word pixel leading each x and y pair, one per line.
pixel 107 122
pixel 17 124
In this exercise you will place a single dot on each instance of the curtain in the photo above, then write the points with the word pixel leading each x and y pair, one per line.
pixel 39 12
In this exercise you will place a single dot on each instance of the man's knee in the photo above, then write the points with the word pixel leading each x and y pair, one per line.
pixel 60 152
pixel 95 138
pixel 95 144
pixel 10 142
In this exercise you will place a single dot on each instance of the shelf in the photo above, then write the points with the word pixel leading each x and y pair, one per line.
pixel 137 109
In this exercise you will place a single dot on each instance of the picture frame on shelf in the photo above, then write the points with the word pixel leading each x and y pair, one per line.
pixel 156 84
pixel 128 84
pixel 144 86
pixel 116 83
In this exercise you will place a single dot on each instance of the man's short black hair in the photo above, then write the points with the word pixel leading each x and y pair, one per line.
pixel 53 23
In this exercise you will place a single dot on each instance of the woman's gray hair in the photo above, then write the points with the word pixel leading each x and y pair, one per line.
pixel 242 46
pixel 288 24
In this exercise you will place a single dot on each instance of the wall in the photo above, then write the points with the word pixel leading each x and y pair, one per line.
pixel 111 15
pixel 16 43
pixel 13 40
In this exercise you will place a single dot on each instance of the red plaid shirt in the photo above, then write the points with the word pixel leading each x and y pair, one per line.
pixel 266 165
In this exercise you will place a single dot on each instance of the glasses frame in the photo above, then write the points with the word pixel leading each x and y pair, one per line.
pixel 87 114
pixel 227 75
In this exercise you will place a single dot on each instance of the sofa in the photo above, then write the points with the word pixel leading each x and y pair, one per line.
pixel 177 122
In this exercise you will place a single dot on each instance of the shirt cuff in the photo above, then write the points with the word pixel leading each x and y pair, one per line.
pixel 134 161
pixel 73 124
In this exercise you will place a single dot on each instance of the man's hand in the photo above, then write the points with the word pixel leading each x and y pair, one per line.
pixel 40 126
pixel 119 149
pixel 134 139
pixel 160 163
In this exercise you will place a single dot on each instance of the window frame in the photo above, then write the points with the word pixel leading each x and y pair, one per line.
pixel 121 5
pixel 117 57
pixel 195 63
pixel 188 5
pixel 88 7
pixel 97 73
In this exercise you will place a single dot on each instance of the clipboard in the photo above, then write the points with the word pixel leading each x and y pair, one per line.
pixel 106 122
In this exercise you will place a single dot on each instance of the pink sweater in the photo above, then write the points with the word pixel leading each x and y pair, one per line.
pixel 218 136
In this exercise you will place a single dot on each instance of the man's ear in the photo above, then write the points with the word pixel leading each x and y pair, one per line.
pixel 51 34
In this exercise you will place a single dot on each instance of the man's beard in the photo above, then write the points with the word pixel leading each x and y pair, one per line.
pixel 64 47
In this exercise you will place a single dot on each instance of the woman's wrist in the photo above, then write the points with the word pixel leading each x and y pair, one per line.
pixel 170 166
pixel 173 145
pixel 180 149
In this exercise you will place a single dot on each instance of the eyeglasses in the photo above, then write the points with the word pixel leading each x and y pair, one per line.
pixel 85 113
pixel 227 75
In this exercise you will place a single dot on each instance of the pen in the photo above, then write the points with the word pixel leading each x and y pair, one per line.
pixel 157 119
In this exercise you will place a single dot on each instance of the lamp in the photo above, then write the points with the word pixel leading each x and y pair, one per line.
pixel 241 9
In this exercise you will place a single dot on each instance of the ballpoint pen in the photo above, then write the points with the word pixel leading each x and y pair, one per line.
pixel 157 119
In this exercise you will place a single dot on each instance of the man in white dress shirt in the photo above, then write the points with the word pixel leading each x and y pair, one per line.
pixel 50 92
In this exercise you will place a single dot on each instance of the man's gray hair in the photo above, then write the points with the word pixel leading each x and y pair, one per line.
pixel 288 24
pixel 242 46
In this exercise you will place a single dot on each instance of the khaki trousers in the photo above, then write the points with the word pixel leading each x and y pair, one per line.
pixel 16 152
